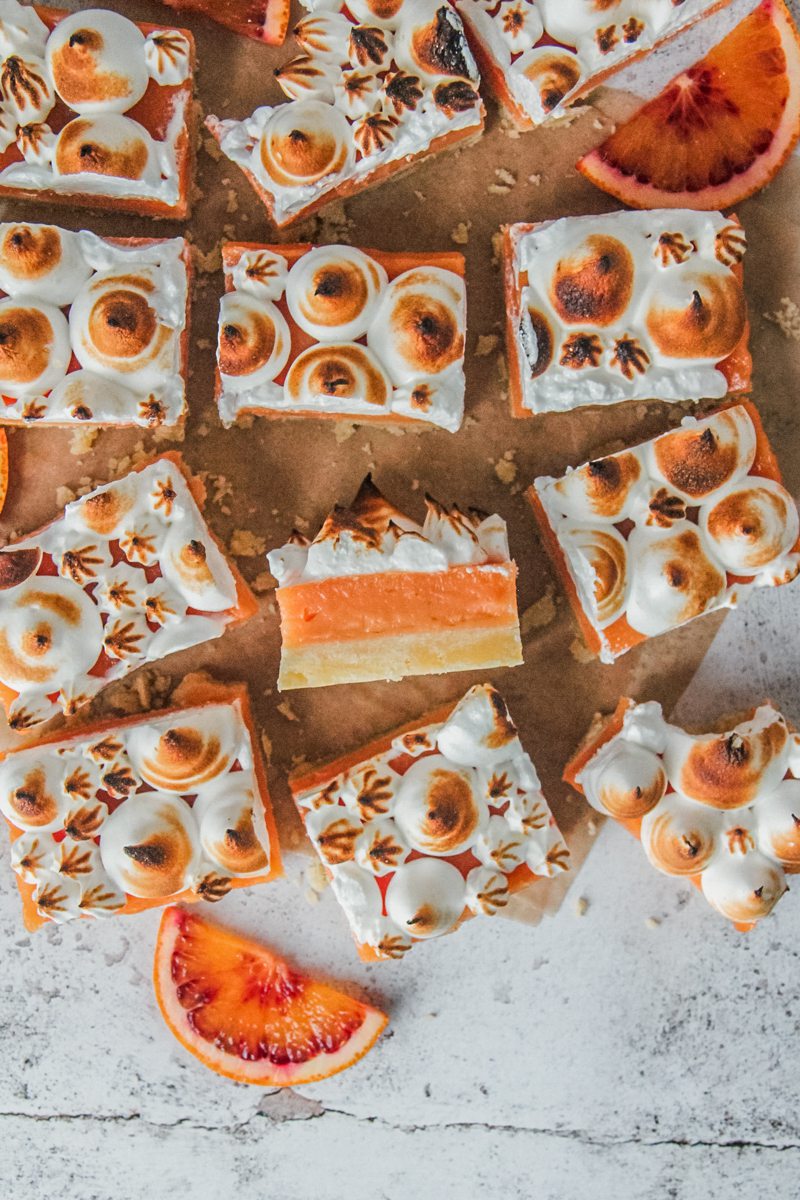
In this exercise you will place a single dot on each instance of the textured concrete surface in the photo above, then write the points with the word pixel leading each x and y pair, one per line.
pixel 641 1051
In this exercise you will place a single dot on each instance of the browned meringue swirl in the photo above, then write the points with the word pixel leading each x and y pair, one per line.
pixel 427 331
pixel 756 519
pixel 26 336
pixel 80 148
pixel 103 511
pixel 247 342
pixel 679 847
pixel 122 324
pixel 595 283
pixel 708 326
pixel 305 150
pixel 553 75
pixel 606 482
pixel 337 841
pixel 159 862
pixel 336 294
pixel 347 371
pixel 33 801
pixel 28 252
pixel 183 756
pixel 76 75
pixel 698 461
pixel 451 813
pixel 607 556
pixel 240 850
pixel 726 771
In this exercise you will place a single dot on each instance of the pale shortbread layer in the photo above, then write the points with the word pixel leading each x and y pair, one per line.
pixel 395 656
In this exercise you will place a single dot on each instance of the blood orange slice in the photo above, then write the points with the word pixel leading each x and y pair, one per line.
pixel 246 1014
pixel 264 20
pixel 718 132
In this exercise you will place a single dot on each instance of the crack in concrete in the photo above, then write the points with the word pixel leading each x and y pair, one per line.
pixel 275 1110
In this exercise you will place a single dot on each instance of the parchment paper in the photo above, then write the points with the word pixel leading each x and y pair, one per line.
pixel 270 475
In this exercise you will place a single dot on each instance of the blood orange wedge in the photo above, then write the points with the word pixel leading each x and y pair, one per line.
pixel 247 1014
pixel 264 20
pixel 718 132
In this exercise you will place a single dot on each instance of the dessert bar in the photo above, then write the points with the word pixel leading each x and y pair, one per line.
pixel 263 20
pixel 377 595
pixel 94 110
pixel 719 809
pixel 624 306
pixel 127 575
pixel 126 815
pixel 93 330
pixel 333 331
pixel 649 538
pixel 443 820
pixel 377 87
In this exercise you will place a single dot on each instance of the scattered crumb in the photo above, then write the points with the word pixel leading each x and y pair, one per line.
pixel 580 651
pixel 498 189
pixel 262 583
pixel 535 180
pixel 539 614
pixel 203 430
pixel 415 485
pixel 581 906
pixel 82 441
pixel 342 430
pixel 787 318
pixel 505 468
pixel 209 263
pixel 508 128
pixel 302 523
pixel 232 202
pixel 246 544
pixel 65 496
pixel 497 248
pixel 316 879
pixel 591 828
pixel 266 745
pixel 169 433
pixel 487 343
pixel 502 368
pixel 470 422
pixel 652 922
pixel 508 178
pixel 460 235
pixel 367 448
pixel 420 196
pixel 204 343
pixel 219 486
pixel 211 147
pixel 286 710
pixel 245 421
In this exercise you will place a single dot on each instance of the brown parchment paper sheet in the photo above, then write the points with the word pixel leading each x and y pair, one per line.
pixel 270 475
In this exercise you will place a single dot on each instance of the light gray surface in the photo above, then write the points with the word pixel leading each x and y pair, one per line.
pixel 592 1057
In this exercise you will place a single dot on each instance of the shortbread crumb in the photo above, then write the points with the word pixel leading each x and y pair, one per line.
pixel 82 441
pixel 581 906
pixel 460 235
pixel 286 710
pixel 487 343
pixel 787 318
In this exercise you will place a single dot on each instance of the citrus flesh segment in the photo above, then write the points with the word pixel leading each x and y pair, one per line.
pixel 245 1013
pixel 719 131
pixel 3 467
pixel 264 20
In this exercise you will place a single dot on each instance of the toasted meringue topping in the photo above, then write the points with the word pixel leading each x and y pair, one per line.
pixel 105 510
pixel 605 554
pixel 26 89
pixel 226 813
pixel 520 25
pixel 751 525
pixel 431 42
pixel 604 489
pixel 672 578
pixel 419 327
pixel 438 808
pixel 49 629
pixel 97 62
pixel 369 47
pixel 357 93
pixel 779 825
pixel 261 272
pixel 107 144
pixel 335 833
pixel 731 769
pixel 41 259
pixel 305 142
pixel 479 732
pixel 552 71
pixel 381 848
pixel 744 892
pixel 324 35
pixel 386 13
pixel 151 846
pixel 330 376
pixel 627 782
pixel 168 57
pixel 332 292
pixel 57 897
pixel 32 854
pixel 426 897
pixel 594 283
pixel 701 457
pixel 697 316
pixel 730 245
pixel 254 339
pixel 679 837
pixel 486 891
pixel 308 77
pixel 499 846
pixel 31 792
pixel 34 347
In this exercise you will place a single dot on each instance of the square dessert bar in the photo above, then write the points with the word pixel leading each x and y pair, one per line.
pixel 93 330
pixel 649 538
pixel 624 306
pixel 425 827
pixel 94 110
pixel 540 56
pixel 377 595
pixel 262 20
pixel 719 809
pixel 332 331
pixel 377 87
pixel 126 815
pixel 126 575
